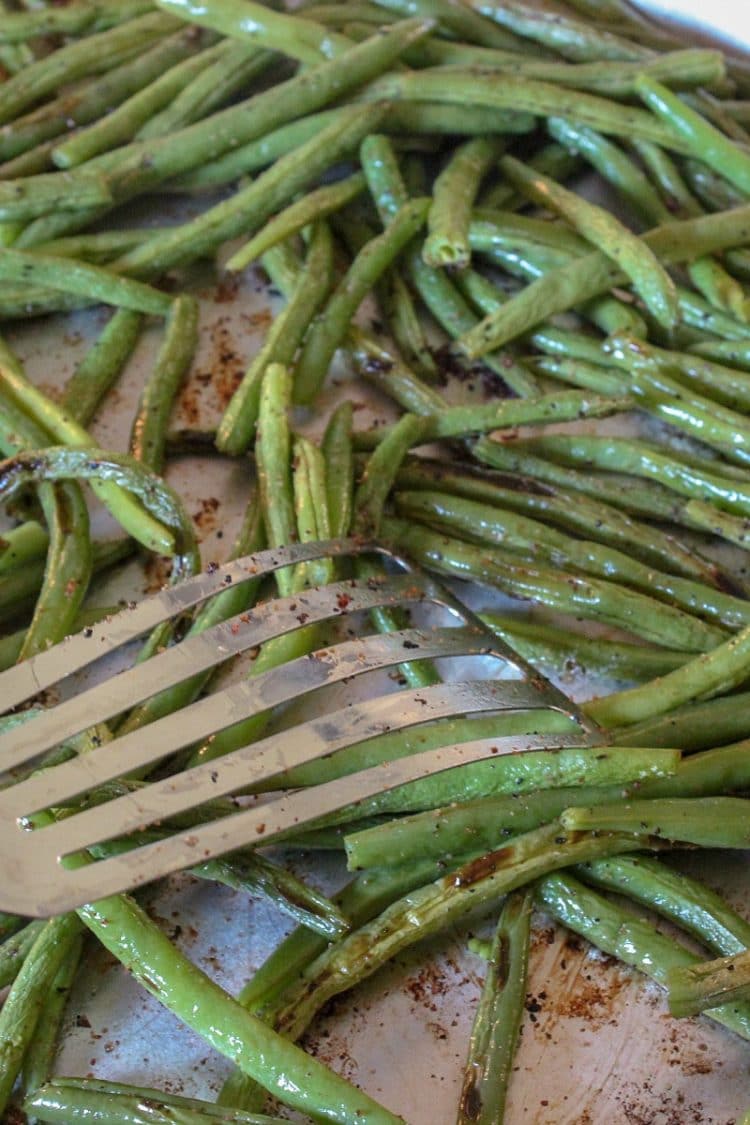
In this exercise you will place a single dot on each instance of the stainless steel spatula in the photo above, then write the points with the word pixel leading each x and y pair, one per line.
pixel 36 876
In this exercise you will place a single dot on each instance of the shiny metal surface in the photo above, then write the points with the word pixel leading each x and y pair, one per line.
pixel 34 877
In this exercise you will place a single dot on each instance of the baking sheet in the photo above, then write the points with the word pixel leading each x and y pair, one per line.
pixel 597 1045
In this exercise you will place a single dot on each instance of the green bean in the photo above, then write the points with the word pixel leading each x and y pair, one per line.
pixel 738 262
pixel 495 229
pixel 422 115
pixel 339 468
pixel 148 433
pixel 123 123
pixel 11 644
pixel 696 415
pixel 161 506
pixel 140 166
pixel 735 353
pixel 525 261
pixel 417 117
pixel 293 35
pixel 726 385
pixel 739 109
pixel 76 19
pixel 28 541
pixel 256 873
pixel 19 589
pixel 734 529
pixel 83 104
pixel 614 166
pixel 40 1056
pixel 609 314
pixel 381 170
pixel 360 900
pixel 314 205
pixel 718 287
pixel 141 524
pixel 454 192
pixel 235 431
pixel 571 38
pixel 700 314
pixel 67 1100
pixel 68 568
pixel 311 511
pixel 709 822
pixel 579 373
pixel 257 153
pixel 590 518
pixel 707 105
pixel 648 276
pixel 586 277
pixel 430 909
pixel 387 188
pixel 441 297
pixel 14 57
pixel 621 13
pixel 701 138
pixel 292 1075
pixel 696 988
pixel 91 55
pixel 81 279
pixel 593 598
pixel 380 472
pixel 16 948
pixel 714 191
pixel 644 499
pixel 455 86
pixel 497 1021
pixel 338 14
pixel 329 329
pixel 389 374
pixel 452 312
pixel 402 743
pixel 462 421
pixel 675 896
pixel 616 931
pixel 710 674
pixel 661 396
pixel 405 325
pixel 696 726
pixel 101 366
pixel 283 265
pixel 230 71
pixel 25 1001
pixel 272 451
pixel 459 20
pixel 646 460
pixel 484 295
pixel 250 206
pixel 100 247
pixel 20 303
pixel 486 524
pixel 21 200
pixel 679 69
pixel 552 159
pixel 473 825
pixel 668 179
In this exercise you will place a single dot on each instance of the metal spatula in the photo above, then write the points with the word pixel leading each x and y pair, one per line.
pixel 34 877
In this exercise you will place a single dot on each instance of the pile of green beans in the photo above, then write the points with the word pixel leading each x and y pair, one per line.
pixel 409 174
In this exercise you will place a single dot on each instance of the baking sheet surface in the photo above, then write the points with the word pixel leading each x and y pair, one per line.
pixel 597 1046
